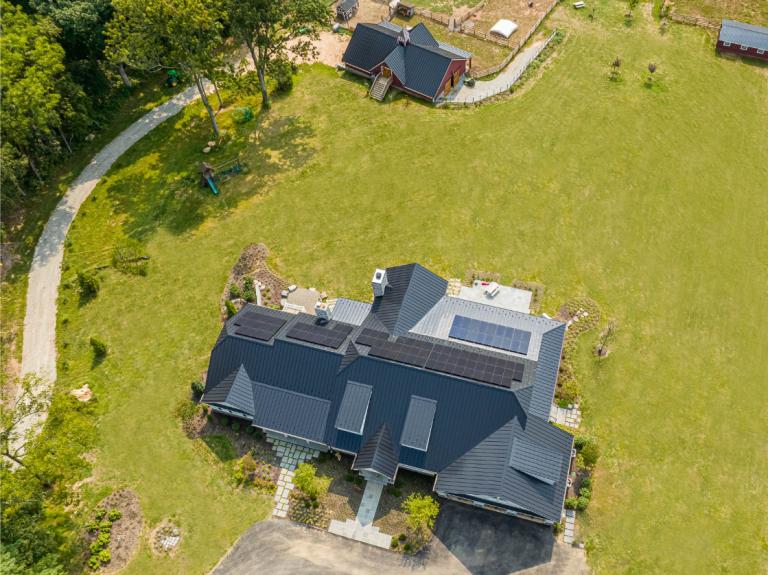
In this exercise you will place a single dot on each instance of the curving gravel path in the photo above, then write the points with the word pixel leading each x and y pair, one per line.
pixel 39 350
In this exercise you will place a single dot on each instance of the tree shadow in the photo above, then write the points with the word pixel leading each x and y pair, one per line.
pixel 162 189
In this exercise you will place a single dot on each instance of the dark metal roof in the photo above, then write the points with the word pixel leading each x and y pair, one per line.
pixel 377 454
pixel 308 390
pixel 354 406
pixel 420 62
pixel 233 392
pixel 369 46
pixel 744 34
pixel 418 423
pixel 290 412
pixel 484 472
pixel 411 292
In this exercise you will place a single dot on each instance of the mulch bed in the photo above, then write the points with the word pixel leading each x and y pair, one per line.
pixel 126 531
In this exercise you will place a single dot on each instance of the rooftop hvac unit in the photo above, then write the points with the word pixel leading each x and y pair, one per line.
pixel 323 311
pixel 492 289
pixel 379 282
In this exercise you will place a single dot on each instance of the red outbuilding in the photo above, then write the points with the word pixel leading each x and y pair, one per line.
pixel 743 39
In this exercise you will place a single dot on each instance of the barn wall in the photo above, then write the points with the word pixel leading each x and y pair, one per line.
pixel 735 49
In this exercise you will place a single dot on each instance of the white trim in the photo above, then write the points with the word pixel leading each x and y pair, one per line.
pixel 726 44
pixel 743 48
pixel 761 52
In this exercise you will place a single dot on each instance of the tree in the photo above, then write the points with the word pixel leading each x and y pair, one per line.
pixel 33 83
pixel 616 69
pixel 271 29
pixel 18 425
pixel 309 483
pixel 421 511
pixel 651 70
pixel 183 34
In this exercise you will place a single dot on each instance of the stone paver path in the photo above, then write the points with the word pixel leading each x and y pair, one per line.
pixel 569 416
pixel 39 350
pixel 361 528
pixel 290 455
pixel 569 533
pixel 502 82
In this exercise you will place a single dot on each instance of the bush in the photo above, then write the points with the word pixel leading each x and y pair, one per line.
pixel 402 537
pixel 234 291
pixel 590 453
pixel 100 513
pixel 582 503
pixel 231 309
pixel 249 430
pixel 89 283
pixel 105 526
pixel 557 528
pixel 585 492
pixel 105 556
pixel 421 510
pixel 197 388
pixel 92 526
pixel 393 544
pixel 571 503
pixel 249 290
pixel 94 563
pixel 235 426
pixel 586 483
pixel 309 483
pixel 407 547
pixel 282 71
pixel 114 514
pixel 100 348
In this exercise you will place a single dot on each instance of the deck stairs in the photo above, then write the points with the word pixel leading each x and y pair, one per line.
pixel 379 87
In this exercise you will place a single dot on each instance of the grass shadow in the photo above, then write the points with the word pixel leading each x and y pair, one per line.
pixel 221 446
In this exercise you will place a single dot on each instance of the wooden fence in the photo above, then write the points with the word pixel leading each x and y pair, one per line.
pixel 493 69
pixel 694 21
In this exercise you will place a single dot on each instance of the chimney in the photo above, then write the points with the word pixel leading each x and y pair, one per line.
pixel 323 311
pixel 379 282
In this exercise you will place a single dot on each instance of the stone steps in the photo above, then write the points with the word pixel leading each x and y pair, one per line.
pixel 353 529
pixel 379 87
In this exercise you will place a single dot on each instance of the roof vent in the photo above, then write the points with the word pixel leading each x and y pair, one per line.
pixel 492 289
pixel 323 311
pixel 379 282
pixel 404 37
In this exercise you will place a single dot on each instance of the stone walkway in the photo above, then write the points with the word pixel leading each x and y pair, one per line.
pixel 569 533
pixel 290 455
pixel 569 416
pixel 361 528
pixel 39 349
pixel 502 82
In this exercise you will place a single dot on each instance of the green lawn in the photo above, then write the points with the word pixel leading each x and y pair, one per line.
pixel 751 11
pixel 652 202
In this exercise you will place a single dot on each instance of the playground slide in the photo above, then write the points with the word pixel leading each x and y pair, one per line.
pixel 214 189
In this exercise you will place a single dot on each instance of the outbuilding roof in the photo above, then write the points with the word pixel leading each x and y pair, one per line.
pixel 744 34
pixel 418 60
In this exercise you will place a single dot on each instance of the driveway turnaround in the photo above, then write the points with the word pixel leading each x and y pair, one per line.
pixel 39 350
pixel 468 542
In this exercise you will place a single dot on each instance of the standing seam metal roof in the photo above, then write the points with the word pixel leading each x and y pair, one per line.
pixel 744 34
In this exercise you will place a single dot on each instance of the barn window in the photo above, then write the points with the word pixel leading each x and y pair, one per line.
pixel 726 44
pixel 761 52
pixel 742 47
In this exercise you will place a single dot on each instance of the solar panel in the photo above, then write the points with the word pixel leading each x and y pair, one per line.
pixel 258 326
pixel 493 370
pixel 404 350
pixel 371 337
pixel 324 335
pixel 490 334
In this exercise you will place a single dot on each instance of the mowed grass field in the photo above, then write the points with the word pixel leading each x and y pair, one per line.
pixel 651 201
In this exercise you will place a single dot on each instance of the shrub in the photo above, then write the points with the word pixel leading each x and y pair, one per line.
pixel 582 503
pixel 231 309
pixel 100 513
pixel 92 526
pixel 105 556
pixel 407 547
pixel 94 562
pixel 249 290
pixel 421 510
pixel 393 544
pixel 557 528
pixel 249 430
pixel 282 71
pixel 234 291
pixel 401 537
pixel 586 482
pixel 89 283
pixel 100 348
pixel 590 453
pixel 571 503
pixel 309 483
pixel 105 526
pixel 197 388
pixel 585 492
pixel 114 514
pixel 235 426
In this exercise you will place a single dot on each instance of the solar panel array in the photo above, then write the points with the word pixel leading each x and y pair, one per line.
pixel 490 334
pixel 404 350
pixel 258 326
pixel 371 337
pixel 320 334
pixel 493 370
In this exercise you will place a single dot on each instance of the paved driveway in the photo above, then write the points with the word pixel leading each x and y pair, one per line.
pixel 469 541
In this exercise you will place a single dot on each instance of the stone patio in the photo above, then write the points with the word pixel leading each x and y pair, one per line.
pixel 569 416
pixel 569 534
pixel 290 455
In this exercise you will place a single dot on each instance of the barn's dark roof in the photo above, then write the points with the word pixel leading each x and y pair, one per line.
pixel 418 60
pixel 406 412
pixel 744 34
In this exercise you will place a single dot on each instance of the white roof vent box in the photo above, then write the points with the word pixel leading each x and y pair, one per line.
pixel 323 311
pixel 379 282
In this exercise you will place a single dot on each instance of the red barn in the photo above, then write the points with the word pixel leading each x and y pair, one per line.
pixel 410 60
pixel 743 39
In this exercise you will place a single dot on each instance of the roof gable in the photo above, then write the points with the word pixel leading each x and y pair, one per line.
pixel 378 454
pixel 369 46
pixel 233 391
